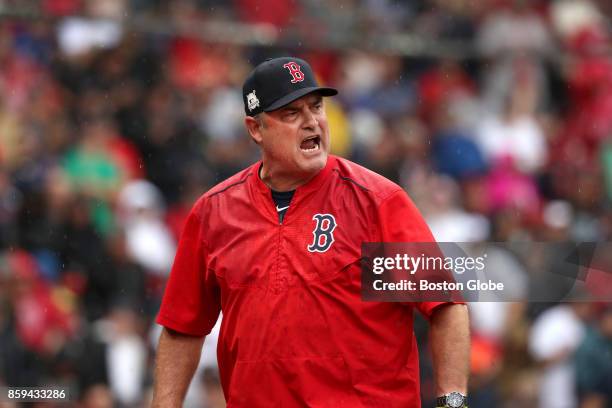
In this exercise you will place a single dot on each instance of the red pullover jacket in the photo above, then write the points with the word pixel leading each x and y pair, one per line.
pixel 295 331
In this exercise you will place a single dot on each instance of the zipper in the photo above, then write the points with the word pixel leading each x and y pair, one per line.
pixel 277 285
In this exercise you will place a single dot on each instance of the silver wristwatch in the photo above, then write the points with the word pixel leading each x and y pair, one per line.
pixel 452 400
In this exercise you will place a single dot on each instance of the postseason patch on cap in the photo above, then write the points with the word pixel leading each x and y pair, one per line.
pixel 252 101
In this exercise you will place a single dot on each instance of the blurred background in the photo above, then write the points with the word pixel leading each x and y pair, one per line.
pixel 115 115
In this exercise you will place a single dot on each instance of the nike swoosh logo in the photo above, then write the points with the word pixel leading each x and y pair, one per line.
pixel 281 209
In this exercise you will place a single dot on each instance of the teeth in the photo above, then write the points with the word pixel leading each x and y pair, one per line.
pixel 315 142
pixel 312 149
pixel 316 147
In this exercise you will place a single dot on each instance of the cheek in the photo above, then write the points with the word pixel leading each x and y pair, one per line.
pixel 285 147
pixel 279 145
pixel 325 130
pixel 323 124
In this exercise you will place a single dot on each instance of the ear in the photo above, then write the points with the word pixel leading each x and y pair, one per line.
pixel 254 128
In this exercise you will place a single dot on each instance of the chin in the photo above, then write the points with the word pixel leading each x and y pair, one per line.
pixel 313 164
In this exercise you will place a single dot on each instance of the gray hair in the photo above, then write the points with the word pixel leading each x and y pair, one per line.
pixel 259 119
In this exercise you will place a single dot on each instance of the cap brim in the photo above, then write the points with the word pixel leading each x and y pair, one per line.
pixel 287 99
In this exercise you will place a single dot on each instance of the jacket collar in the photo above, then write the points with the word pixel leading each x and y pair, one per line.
pixel 262 192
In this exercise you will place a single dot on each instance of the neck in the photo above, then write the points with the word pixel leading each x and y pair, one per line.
pixel 279 181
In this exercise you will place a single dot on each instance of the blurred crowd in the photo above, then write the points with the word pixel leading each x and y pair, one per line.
pixel 110 131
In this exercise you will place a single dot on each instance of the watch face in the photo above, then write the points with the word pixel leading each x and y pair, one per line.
pixel 454 400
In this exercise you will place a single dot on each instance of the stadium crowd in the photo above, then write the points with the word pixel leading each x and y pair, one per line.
pixel 110 131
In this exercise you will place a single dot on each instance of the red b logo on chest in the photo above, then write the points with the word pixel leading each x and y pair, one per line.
pixel 296 72
pixel 323 232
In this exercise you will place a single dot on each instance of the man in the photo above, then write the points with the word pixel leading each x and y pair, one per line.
pixel 593 362
pixel 277 247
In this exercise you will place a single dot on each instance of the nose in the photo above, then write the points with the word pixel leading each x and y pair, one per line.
pixel 310 120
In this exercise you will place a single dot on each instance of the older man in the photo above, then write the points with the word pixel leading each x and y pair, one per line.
pixel 277 248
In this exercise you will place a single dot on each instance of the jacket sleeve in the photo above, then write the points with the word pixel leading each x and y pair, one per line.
pixel 401 221
pixel 191 302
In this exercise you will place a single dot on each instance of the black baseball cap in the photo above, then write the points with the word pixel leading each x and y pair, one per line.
pixel 277 82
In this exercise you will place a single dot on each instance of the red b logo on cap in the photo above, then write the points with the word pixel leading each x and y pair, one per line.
pixel 296 72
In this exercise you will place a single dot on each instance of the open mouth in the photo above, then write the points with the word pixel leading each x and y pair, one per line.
pixel 311 144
